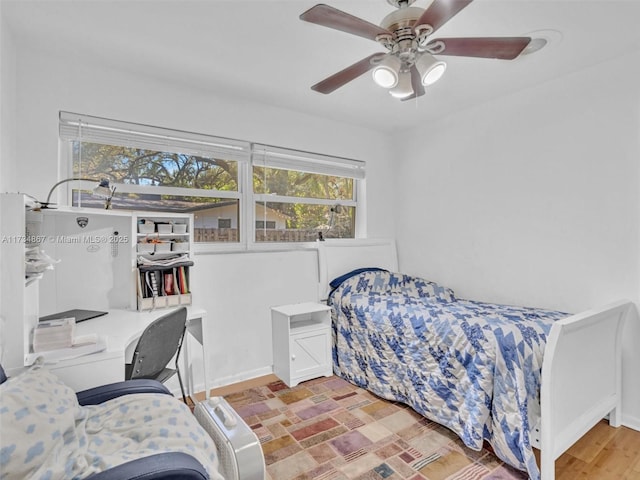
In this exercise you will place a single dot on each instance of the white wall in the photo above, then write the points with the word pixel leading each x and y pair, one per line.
pixel 236 289
pixel 7 133
pixel 533 199
pixel 7 103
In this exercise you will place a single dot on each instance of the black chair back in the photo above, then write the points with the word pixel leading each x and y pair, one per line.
pixel 158 344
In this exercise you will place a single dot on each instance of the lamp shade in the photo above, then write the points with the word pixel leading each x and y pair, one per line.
pixel 430 68
pixel 404 88
pixel 103 189
pixel 386 72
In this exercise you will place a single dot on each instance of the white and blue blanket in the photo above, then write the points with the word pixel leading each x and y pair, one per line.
pixel 45 434
pixel 472 367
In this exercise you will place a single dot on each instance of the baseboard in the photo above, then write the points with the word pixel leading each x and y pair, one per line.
pixel 229 380
pixel 631 422
pixel 239 377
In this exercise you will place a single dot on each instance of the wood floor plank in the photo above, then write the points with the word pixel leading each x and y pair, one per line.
pixel 611 463
pixel 626 440
pixel 571 468
pixel 589 446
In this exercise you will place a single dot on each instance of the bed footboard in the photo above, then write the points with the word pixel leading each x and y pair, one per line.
pixel 581 380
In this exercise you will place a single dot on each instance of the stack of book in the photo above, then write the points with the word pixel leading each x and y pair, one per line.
pixel 53 334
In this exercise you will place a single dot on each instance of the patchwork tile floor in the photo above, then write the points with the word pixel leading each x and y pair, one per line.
pixel 328 429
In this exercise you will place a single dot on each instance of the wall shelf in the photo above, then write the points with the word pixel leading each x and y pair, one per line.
pixel 160 285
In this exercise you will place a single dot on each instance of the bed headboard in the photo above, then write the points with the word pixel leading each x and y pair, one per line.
pixel 337 257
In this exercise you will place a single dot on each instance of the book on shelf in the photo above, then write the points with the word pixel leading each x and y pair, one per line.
pixel 165 282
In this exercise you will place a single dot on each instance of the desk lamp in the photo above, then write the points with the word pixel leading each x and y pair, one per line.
pixel 103 190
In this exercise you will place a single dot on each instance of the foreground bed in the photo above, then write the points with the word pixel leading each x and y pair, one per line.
pixel 474 367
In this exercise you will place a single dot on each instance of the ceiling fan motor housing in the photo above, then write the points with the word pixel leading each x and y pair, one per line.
pixel 400 20
pixel 400 3
pixel 403 42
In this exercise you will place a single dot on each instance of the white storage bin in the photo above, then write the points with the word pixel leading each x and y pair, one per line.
pixel 164 227
pixel 148 227
pixel 146 247
pixel 163 247
pixel 179 228
pixel 180 247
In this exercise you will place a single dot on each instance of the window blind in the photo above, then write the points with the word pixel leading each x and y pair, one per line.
pixel 285 159
pixel 85 128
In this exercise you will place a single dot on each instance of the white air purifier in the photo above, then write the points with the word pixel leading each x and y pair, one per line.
pixel 241 456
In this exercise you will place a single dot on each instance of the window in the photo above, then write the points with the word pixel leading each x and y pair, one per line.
pixel 237 192
pixel 299 196
pixel 268 224
pixel 157 169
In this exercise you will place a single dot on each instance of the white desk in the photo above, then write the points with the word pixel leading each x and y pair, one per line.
pixel 121 329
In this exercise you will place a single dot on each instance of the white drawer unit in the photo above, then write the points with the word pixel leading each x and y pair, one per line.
pixel 301 342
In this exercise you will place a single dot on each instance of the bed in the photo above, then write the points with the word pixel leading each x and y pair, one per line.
pixel 518 378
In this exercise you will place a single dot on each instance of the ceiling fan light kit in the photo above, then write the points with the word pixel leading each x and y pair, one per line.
pixel 430 68
pixel 387 71
pixel 409 64
pixel 404 88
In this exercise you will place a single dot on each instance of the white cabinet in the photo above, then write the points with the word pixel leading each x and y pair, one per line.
pixel 301 335
pixel 98 267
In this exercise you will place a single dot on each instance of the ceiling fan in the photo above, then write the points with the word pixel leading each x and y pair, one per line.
pixel 409 64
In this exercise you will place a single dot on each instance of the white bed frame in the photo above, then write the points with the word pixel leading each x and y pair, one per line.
pixel 581 370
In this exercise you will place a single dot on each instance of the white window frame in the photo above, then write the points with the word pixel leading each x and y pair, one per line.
pixel 86 128
pixel 277 157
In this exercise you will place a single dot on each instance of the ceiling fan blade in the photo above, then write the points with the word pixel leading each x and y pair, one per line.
pixel 440 12
pixel 416 84
pixel 352 72
pixel 504 48
pixel 333 18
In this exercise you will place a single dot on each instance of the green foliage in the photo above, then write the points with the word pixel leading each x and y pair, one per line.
pixel 145 167
pixel 292 183
pixel 136 166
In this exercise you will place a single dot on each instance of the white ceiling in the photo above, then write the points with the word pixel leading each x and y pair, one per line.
pixel 261 51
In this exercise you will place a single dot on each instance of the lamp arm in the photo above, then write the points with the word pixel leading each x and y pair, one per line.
pixel 68 180
pixel 107 203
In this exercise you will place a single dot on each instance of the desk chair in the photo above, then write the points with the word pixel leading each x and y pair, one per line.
pixel 158 344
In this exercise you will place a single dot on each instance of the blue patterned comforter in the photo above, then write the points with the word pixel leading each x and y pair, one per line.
pixel 470 366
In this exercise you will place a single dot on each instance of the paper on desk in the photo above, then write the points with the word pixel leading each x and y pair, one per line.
pixel 89 339
pixel 82 345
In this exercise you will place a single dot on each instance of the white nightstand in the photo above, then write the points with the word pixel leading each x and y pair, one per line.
pixel 301 342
